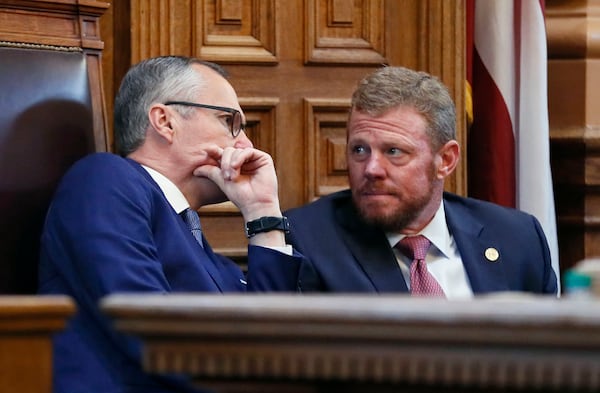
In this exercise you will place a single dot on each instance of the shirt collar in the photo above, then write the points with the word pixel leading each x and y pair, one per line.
pixel 172 193
pixel 436 231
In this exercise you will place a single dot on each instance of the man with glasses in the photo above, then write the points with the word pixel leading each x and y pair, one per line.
pixel 128 222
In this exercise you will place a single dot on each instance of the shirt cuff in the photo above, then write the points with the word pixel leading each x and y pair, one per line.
pixel 287 249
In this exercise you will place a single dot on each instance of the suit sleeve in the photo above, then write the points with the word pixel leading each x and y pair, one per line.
pixel 550 280
pixel 102 228
pixel 271 270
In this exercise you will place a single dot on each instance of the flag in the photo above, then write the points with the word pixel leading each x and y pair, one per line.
pixel 509 141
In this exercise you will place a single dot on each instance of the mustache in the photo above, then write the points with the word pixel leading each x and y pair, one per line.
pixel 376 188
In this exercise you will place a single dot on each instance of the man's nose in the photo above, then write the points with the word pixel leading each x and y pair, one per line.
pixel 242 141
pixel 375 166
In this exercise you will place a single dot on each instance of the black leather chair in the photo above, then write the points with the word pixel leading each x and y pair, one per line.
pixel 46 124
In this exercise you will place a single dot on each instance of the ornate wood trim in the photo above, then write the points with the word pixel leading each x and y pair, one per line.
pixel 236 32
pixel 334 34
pixel 526 343
pixel 325 160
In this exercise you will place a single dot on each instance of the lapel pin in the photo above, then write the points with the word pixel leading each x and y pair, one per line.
pixel 491 254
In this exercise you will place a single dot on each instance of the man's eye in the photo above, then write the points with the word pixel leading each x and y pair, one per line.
pixel 229 120
pixel 358 149
pixel 394 151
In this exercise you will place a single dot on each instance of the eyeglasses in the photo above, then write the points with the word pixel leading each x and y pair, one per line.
pixel 234 122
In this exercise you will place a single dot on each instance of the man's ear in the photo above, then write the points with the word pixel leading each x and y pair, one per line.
pixel 160 118
pixel 447 159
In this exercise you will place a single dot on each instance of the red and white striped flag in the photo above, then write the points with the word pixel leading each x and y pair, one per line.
pixel 509 146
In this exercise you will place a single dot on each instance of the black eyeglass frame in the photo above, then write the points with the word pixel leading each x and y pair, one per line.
pixel 237 116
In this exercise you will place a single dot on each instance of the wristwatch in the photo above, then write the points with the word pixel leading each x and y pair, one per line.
pixel 267 224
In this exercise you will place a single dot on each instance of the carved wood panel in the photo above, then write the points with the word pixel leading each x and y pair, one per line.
pixel 235 31
pixel 326 165
pixel 345 32
pixel 157 27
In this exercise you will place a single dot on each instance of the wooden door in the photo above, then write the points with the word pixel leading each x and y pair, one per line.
pixel 294 65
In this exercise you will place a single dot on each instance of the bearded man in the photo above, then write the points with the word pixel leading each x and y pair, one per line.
pixel 395 229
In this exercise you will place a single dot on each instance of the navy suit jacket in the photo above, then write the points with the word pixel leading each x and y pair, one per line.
pixel 346 255
pixel 110 229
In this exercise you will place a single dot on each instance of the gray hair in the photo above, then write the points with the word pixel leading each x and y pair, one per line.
pixel 155 80
pixel 390 87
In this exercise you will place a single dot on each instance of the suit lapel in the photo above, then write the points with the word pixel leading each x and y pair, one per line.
pixel 207 259
pixel 485 274
pixel 211 265
pixel 371 250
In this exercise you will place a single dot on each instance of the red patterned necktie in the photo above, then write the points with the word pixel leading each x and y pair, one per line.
pixel 422 283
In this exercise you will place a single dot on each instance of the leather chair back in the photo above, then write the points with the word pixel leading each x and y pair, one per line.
pixel 46 124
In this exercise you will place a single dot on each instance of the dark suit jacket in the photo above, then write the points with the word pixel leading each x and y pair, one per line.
pixel 347 255
pixel 110 229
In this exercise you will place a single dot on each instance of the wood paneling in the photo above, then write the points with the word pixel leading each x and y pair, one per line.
pixel 345 32
pixel 326 146
pixel 236 31
pixel 573 96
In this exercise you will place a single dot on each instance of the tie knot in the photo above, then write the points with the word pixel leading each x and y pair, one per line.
pixel 191 219
pixel 414 247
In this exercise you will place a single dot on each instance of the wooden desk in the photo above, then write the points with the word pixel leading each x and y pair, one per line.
pixel 335 343
pixel 26 327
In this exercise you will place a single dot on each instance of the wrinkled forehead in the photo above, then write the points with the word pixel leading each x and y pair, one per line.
pixel 398 113
pixel 399 122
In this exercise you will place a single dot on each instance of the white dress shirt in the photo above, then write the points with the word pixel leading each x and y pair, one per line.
pixel 172 193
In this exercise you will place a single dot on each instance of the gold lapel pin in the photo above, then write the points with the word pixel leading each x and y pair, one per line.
pixel 492 254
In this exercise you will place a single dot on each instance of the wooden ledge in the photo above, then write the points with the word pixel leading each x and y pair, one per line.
pixel 27 314
pixel 501 342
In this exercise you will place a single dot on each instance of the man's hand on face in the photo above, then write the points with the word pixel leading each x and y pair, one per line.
pixel 246 176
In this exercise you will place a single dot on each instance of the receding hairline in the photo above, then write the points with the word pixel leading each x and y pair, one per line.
pixel 205 66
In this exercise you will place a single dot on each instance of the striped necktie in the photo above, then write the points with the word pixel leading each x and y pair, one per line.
pixel 192 220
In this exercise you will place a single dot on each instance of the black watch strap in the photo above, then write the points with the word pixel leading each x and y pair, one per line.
pixel 267 224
